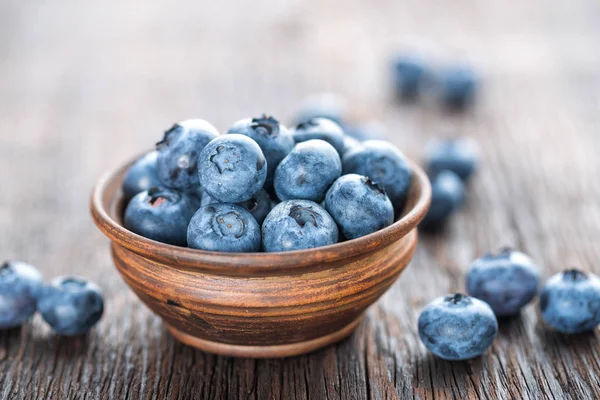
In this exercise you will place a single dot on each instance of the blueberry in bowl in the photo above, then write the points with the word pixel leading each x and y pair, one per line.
pixel 142 175
pixel 323 129
pixel 259 205
pixel 20 284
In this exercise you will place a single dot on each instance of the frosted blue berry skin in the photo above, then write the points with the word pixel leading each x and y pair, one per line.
pixel 142 175
pixel 274 139
pixel 447 196
pixel 457 327
pixel 20 283
pixel 323 129
pixel 459 155
pixel 178 153
pixel 308 171
pixel 232 168
pixel 71 305
pixel 259 205
pixel 161 214
pixel 570 301
pixel 507 281
pixel 224 227
pixel 297 225
pixel 359 206
pixel 383 163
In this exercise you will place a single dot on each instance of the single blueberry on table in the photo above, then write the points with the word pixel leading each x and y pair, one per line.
pixel 142 175
pixel 224 227
pixel 71 305
pixel 232 168
pixel 457 327
pixel 507 281
pixel 459 155
pixel 359 206
pixel 323 105
pixel 570 301
pixel 178 153
pixel 447 196
pixel 320 128
pixel 308 171
pixel 161 214
pixel 409 72
pixel 274 139
pixel 458 86
pixel 297 225
pixel 259 205
pixel 20 283
pixel 383 163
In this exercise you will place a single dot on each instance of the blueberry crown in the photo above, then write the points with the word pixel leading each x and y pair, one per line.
pixel 373 185
pixel 158 196
pixel 311 123
pixel 457 298
pixel 5 268
pixel 72 283
pixel 266 125
pixel 165 141
pixel 574 275
pixel 303 216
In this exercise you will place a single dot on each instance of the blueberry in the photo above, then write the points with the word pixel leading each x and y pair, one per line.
pixel 359 206
pixel 296 225
pixel 323 105
pixel 19 286
pixel 273 138
pixel 142 175
pixel 447 195
pixel 459 155
pixel 259 205
pixel 71 305
pixel 457 327
pixel 224 227
pixel 506 281
pixel 320 128
pixel 458 86
pixel 383 163
pixel 349 144
pixel 570 301
pixel 308 171
pixel 161 214
pixel 409 72
pixel 232 168
pixel 178 153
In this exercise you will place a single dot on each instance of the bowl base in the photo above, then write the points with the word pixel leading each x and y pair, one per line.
pixel 275 351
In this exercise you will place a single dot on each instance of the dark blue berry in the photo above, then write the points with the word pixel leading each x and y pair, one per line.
pixel 320 128
pixel 296 225
pixel 409 72
pixel 308 171
pixel 232 168
pixel 20 283
pixel 459 155
pixel 142 175
pixel 447 196
pixel 570 301
pixel 458 86
pixel 161 214
pixel 507 281
pixel 457 327
pixel 359 206
pixel 259 205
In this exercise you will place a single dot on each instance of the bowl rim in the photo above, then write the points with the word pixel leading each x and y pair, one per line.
pixel 107 192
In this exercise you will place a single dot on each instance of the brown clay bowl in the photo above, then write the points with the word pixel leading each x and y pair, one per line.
pixel 260 304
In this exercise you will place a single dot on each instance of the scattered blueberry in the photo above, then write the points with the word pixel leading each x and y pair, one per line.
pixel 71 305
pixel 259 205
pixel 383 163
pixel 320 128
pixel 161 214
pixel 308 171
pixel 409 73
pixel 178 153
pixel 447 195
pixel 458 86
pixel 359 206
pixel 273 138
pixel 19 285
pixel 507 281
pixel 232 168
pixel 224 227
pixel 459 155
pixel 323 105
pixel 457 327
pixel 570 301
pixel 296 225
pixel 142 175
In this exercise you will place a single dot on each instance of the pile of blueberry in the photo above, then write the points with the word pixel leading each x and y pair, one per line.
pixel 70 305
pixel 459 327
pixel 264 187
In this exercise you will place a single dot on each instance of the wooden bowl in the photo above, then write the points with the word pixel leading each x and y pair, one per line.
pixel 260 304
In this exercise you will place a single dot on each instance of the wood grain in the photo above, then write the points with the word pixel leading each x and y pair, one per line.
pixel 85 85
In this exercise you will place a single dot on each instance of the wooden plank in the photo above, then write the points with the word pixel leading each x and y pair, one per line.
pixel 84 86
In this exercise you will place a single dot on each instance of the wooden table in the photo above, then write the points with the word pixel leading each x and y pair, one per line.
pixel 85 85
